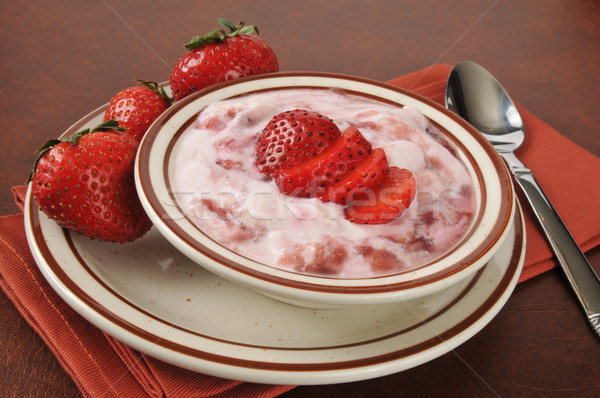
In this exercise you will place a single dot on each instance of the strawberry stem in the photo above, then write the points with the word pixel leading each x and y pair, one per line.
pixel 104 126
pixel 160 90
pixel 219 35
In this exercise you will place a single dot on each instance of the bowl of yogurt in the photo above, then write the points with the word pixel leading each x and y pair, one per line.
pixel 197 179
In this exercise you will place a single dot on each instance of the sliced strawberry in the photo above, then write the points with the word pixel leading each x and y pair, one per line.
pixel 291 138
pixel 386 202
pixel 307 156
pixel 368 175
pixel 309 179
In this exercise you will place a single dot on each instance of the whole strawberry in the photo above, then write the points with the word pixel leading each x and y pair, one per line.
pixel 136 108
pixel 86 184
pixel 219 56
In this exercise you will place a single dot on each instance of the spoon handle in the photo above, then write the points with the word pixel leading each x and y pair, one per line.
pixel 579 272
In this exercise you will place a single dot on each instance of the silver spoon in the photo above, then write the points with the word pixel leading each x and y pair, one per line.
pixel 475 95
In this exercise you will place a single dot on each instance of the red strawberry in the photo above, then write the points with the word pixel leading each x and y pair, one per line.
pixel 385 203
pixel 368 175
pixel 319 172
pixel 292 138
pixel 307 156
pixel 86 183
pixel 136 108
pixel 219 56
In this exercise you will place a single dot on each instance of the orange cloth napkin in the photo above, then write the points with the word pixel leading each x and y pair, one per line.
pixel 102 366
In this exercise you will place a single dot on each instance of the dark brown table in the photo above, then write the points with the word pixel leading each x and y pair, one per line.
pixel 62 59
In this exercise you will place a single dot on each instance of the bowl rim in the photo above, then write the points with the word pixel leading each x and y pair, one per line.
pixel 152 181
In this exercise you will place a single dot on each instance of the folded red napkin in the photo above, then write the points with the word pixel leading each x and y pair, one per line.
pixel 102 366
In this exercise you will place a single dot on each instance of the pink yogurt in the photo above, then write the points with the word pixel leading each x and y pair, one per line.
pixel 218 187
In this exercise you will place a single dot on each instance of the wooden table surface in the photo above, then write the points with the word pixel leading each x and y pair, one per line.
pixel 62 59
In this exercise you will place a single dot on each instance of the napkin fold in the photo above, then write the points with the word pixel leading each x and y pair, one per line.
pixel 103 366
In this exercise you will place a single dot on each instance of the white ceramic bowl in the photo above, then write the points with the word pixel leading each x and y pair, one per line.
pixel 494 196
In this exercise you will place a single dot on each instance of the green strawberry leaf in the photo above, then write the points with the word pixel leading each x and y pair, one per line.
pixel 160 90
pixel 227 24
pixel 219 35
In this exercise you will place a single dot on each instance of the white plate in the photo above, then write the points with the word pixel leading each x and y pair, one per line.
pixel 151 297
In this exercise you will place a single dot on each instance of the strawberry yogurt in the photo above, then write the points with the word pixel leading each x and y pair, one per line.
pixel 217 185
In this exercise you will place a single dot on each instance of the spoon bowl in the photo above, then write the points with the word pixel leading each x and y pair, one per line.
pixel 497 118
